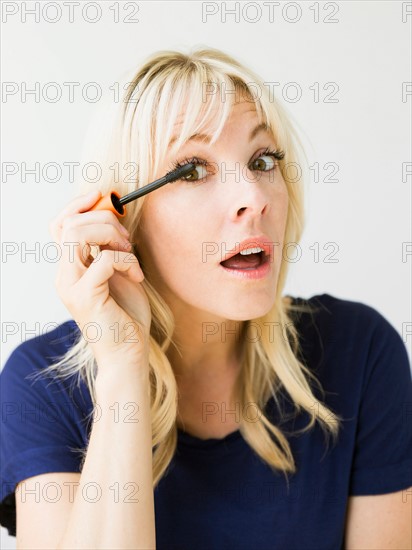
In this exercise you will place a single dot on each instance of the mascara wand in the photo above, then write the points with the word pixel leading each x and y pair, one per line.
pixel 113 202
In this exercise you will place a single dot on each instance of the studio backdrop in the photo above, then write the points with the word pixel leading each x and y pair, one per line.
pixel 340 69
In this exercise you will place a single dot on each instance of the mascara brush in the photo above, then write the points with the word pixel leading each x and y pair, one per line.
pixel 115 203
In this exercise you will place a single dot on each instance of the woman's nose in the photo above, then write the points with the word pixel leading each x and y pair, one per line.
pixel 246 192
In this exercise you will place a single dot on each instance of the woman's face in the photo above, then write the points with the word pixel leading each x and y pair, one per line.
pixel 188 227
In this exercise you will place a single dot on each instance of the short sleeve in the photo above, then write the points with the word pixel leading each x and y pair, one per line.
pixel 39 428
pixel 382 461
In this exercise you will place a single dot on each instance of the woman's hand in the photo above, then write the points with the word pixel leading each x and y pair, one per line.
pixel 103 295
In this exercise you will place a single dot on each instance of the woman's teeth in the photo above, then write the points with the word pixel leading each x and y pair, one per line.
pixel 251 251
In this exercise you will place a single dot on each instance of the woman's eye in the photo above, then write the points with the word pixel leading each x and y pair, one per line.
pixel 197 174
pixel 264 163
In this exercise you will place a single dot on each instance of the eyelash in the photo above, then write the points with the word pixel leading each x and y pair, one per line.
pixel 278 154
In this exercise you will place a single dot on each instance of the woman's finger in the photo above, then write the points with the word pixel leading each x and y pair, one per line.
pixel 105 265
pixel 93 217
pixel 83 203
pixel 76 249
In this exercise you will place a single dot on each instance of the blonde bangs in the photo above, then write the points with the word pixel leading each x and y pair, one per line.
pixel 187 99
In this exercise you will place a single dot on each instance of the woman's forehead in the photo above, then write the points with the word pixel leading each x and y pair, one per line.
pixel 206 126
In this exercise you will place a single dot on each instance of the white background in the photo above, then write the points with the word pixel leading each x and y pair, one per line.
pixel 366 133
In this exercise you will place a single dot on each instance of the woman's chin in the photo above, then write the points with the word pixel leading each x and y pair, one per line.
pixel 249 311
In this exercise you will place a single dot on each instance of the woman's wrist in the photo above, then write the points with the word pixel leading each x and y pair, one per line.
pixel 115 375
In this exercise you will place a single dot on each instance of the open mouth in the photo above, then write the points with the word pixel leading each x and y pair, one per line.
pixel 246 261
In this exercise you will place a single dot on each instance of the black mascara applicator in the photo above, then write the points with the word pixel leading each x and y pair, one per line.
pixel 113 202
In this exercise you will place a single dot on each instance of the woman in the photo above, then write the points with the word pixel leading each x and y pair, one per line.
pixel 205 398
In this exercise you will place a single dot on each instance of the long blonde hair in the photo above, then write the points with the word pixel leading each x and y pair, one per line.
pixel 133 137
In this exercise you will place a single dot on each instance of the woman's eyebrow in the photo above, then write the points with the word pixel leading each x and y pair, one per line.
pixel 262 127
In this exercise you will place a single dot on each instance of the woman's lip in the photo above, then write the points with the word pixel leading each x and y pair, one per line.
pixel 261 241
pixel 251 273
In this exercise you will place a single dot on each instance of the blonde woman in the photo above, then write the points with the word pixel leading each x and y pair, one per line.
pixel 188 403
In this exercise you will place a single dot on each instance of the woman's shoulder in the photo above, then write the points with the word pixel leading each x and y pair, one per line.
pixel 329 325
pixel 328 301
pixel 30 357
pixel 334 312
pixel 26 376
pixel 51 341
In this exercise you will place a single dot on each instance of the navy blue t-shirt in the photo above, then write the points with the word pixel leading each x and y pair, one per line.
pixel 217 493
